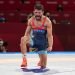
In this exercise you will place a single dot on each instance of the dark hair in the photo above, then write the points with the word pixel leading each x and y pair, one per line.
pixel 39 6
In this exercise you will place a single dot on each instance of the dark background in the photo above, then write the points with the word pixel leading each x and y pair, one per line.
pixel 15 12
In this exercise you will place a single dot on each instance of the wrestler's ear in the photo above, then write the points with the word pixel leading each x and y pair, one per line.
pixel 43 12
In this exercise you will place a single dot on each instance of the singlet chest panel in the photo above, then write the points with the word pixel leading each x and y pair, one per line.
pixel 39 36
pixel 39 32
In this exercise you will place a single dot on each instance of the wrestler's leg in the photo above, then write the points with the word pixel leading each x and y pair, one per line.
pixel 43 58
pixel 39 64
pixel 23 51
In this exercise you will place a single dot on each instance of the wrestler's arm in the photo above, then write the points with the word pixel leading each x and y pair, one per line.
pixel 28 30
pixel 49 34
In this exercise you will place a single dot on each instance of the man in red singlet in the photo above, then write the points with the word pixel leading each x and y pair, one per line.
pixel 42 38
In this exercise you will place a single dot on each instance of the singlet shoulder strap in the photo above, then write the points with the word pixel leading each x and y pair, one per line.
pixel 44 21
pixel 33 22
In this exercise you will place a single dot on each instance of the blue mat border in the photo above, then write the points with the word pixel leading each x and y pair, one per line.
pixel 37 53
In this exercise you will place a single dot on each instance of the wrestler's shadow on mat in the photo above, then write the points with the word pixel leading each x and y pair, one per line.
pixel 37 70
pixel 34 70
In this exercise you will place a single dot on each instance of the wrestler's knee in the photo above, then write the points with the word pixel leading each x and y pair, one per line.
pixel 22 39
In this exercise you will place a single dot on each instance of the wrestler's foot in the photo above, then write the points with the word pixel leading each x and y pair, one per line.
pixel 43 67
pixel 24 62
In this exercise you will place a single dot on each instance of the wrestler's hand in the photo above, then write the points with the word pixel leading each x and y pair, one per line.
pixel 49 49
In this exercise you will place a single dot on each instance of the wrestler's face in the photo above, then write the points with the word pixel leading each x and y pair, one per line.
pixel 38 14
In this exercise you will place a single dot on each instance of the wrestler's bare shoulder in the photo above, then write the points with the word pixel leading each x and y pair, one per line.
pixel 30 20
pixel 48 20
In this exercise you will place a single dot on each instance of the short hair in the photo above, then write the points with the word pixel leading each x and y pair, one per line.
pixel 39 6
